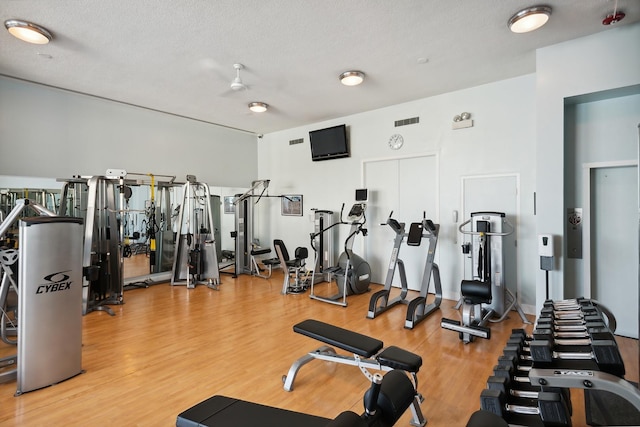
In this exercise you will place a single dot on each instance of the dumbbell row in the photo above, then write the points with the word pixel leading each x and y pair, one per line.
pixel 549 406
pixel 585 337
pixel 569 327
pixel 604 352
pixel 570 304
pixel 573 338
pixel 575 314
pixel 523 390
pixel 516 372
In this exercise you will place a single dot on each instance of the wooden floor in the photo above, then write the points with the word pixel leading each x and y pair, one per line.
pixel 168 348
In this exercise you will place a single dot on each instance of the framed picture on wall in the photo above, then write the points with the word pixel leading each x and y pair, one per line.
pixel 292 205
pixel 229 207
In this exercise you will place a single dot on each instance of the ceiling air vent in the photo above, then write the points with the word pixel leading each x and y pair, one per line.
pixel 296 141
pixel 404 122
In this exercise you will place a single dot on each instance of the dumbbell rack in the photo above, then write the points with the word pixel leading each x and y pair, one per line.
pixel 572 346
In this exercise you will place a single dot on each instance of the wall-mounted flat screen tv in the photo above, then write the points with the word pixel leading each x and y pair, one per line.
pixel 329 143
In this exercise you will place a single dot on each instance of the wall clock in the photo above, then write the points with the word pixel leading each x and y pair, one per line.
pixel 396 141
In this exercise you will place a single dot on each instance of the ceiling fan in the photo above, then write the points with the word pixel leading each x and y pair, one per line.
pixel 237 84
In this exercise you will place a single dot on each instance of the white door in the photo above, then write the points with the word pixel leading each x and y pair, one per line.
pixel 614 244
pixel 408 187
pixel 494 194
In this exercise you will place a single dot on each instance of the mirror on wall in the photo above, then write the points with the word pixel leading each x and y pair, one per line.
pixel 141 214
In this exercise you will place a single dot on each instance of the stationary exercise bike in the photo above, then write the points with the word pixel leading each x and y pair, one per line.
pixel 352 274
pixel 417 308
pixel 485 298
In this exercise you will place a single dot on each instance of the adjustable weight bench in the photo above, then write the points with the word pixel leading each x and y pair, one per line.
pixel 366 352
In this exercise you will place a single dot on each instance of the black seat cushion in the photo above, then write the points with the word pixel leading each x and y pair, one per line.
pixel 476 292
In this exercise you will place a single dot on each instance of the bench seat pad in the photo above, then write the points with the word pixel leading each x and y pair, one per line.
pixel 353 342
pixel 397 358
pixel 222 411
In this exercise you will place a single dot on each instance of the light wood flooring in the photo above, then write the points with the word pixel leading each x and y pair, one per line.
pixel 168 348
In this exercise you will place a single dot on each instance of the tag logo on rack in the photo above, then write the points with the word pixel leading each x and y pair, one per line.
pixel 57 282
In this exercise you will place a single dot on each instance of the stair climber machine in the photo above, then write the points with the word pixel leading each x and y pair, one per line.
pixel 352 274
pixel 484 297
pixel 417 308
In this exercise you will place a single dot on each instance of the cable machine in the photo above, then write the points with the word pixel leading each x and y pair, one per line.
pixel 245 242
pixel 323 244
pixel 153 236
pixel 195 261
pixel 94 199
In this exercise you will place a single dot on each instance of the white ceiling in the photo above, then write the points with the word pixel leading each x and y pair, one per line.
pixel 177 56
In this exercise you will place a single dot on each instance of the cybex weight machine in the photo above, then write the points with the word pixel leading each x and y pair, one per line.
pixel 94 199
pixel 49 292
pixel 485 298
pixel 245 242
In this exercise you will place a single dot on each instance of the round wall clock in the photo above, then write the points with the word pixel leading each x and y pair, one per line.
pixel 396 141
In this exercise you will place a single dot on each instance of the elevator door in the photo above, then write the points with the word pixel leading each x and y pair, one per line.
pixel 614 245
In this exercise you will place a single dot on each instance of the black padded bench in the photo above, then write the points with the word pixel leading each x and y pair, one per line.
pixel 367 352
pixel 228 412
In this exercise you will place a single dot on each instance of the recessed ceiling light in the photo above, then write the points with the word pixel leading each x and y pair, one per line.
pixel 351 78
pixel 258 107
pixel 27 31
pixel 529 19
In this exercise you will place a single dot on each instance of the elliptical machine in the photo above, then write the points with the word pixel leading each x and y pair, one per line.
pixel 484 297
pixel 417 308
pixel 352 274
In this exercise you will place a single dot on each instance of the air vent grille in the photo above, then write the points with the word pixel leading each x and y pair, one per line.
pixel 296 141
pixel 404 122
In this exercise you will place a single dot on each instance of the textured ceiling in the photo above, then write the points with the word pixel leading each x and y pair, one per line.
pixel 177 56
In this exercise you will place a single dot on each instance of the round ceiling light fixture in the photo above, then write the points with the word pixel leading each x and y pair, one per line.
pixel 351 78
pixel 27 31
pixel 529 19
pixel 258 107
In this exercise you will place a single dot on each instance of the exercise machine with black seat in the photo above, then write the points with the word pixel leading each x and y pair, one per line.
pixel 292 266
pixel 352 274
pixel 417 308
pixel 248 253
pixel 485 297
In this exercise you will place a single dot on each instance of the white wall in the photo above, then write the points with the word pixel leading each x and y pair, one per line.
pixel 501 141
pixel 598 63
pixel 47 132
pixel 596 131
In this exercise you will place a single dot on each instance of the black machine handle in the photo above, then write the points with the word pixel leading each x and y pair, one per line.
pixel 394 224
pixel 371 396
